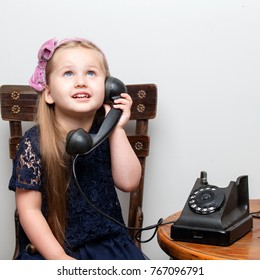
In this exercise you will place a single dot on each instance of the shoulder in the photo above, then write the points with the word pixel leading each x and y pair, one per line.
pixel 29 147
pixel 32 132
pixel 31 137
pixel 27 167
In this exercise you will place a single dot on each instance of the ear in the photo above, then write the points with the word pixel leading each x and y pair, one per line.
pixel 47 95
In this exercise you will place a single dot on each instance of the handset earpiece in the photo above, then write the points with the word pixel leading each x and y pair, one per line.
pixel 79 141
pixel 113 88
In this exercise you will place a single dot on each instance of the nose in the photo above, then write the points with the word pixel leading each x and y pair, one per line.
pixel 80 81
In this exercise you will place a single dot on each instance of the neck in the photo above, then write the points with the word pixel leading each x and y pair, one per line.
pixel 68 123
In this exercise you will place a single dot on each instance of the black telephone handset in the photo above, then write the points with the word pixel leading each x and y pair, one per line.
pixel 79 141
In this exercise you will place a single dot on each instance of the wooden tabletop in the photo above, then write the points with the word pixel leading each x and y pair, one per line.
pixel 246 248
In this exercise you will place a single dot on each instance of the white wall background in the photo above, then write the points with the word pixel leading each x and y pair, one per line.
pixel 204 57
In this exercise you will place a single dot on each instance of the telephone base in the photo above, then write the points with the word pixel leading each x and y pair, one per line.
pixel 211 236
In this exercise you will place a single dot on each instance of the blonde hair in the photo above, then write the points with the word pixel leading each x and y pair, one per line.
pixel 52 145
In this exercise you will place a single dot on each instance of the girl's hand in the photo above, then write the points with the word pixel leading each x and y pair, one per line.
pixel 123 103
pixel 126 168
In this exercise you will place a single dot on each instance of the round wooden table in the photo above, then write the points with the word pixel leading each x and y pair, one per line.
pixel 246 248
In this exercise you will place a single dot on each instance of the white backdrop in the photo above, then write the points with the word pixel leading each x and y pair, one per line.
pixel 204 57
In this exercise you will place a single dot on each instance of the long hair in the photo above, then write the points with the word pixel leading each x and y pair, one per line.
pixel 57 163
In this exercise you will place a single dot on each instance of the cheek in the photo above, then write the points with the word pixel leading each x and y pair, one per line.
pixel 57 88
pixel 100 92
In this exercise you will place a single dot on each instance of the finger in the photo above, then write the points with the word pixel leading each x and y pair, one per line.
pixel 127 100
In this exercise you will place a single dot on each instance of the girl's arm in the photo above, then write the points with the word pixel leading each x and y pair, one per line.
pixel 126 168
pixel 28 204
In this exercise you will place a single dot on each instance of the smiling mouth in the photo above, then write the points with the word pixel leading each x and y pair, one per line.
pixel 81 95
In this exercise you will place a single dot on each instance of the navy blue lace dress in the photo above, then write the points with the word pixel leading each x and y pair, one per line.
pixel 89 234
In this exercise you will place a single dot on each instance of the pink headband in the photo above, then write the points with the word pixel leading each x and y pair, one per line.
pixel 38 79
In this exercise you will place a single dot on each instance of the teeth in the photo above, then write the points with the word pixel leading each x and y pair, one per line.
pixel 80 96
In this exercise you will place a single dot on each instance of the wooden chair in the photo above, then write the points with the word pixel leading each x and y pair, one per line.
pixel 18 105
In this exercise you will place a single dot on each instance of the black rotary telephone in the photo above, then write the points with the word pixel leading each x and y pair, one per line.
pixel 79 141
pixel 214 215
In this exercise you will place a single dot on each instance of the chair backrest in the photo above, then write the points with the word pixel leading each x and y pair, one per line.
pixel 19 104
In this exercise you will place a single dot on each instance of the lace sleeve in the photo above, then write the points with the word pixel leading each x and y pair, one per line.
pixel 27 164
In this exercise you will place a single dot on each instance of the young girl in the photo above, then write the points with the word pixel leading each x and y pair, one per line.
pixel 56 222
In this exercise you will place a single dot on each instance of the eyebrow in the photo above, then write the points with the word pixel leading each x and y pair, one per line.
pixel 72 66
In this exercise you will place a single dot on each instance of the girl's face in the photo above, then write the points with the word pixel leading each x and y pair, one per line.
pixel 76 83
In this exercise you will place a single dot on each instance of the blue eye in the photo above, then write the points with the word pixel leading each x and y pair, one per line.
pixel 68 74
pixel 91 73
